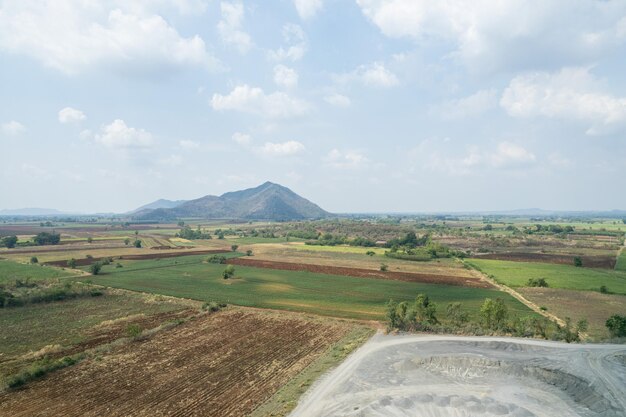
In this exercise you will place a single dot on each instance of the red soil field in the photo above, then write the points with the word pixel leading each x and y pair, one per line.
pixel 224 364
pixel 364 273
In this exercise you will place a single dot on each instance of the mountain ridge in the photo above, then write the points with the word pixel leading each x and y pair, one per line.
pixel 268 201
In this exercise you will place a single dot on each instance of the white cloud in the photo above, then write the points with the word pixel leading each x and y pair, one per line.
pixel 509 34
pixel 71 115
pixel 74 35
pixel 308 8
pixel 172 160
pixel 469 106
pixel 188 144
pixel 118 135
pixel 241 139
pixel 296 44
pixel 374 74
pixel 285 76
pixel 338 100
pixel 230 26
pixel 288 148
pixel 571 94
pixel 346 160
pixel 13 128
pixel 509 155
pixel 253 100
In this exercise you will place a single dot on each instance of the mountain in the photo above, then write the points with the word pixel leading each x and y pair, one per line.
pixel 161 203
pixel 268 201
pixel 30 212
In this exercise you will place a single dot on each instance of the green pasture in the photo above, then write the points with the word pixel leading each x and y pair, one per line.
pixel 517 274
pixel 331 295
pixel 621 261
pixel 10 271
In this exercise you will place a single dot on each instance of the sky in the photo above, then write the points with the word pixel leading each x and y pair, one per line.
pixel 357 105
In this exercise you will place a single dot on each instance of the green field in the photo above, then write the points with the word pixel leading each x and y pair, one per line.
pixel 331 295
pixel 10 271
pixel 517 274
pixel 338 249
pixel 621 261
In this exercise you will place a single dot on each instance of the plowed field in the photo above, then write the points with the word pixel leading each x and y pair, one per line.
pixel 225 364
pixel 364 273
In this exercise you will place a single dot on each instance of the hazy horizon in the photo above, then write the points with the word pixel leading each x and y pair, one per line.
pixel 368 106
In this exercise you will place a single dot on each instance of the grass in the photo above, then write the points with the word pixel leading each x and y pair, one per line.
pixel 517 274
pixel 31 327
pixel 10 271
pixel 339 249
pixel 330 295
pixel 621 261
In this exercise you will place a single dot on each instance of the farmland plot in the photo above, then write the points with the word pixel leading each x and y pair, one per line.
pixel 224 364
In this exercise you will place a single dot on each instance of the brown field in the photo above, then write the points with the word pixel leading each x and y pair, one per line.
pixel 225 364
pixel 589 261
pixel 284 253
pixel 473 281
pixel 577 305
pixel 143 256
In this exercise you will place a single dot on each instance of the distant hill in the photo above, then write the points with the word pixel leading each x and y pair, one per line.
pixel 161 203
pixel 30 212
pixel 268 201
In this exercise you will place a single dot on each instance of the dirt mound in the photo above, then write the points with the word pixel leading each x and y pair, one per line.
pixel 364 273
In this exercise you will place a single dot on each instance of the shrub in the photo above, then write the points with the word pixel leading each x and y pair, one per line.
pixel 494 313
pixel 616 325
pixel 119 265
pixel 384 267
pixel 604 289
pixel 213 306
pixel 229 272
pixel 370 253
pixel 455 315
pixel 578 261
pixel 234 247
pixel 71 263
pixel 216 259
pixel 137 243
pixel 95 268
pixel 248 252
pixel 537 282
pixel 133 330
pixel 34 260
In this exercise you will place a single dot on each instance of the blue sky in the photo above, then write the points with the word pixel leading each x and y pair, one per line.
pixel 360 106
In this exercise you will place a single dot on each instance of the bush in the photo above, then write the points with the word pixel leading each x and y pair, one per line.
pixel 578 261
pixel 604 290
pixel 384 267
pixel 45 238
pixel 34 260
pixel 234 247
pixel 137 243
pixel 71 263
pixel 370 253
pixel 229 272
pixel 133 330
pixel 95 268
pixel 213 306
pixel 248 252
pixel 616 325
pixel 455 315
pixel 537 282
pixel 494 313
pixel 216 259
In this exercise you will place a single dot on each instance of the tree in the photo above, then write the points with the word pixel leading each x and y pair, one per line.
pixel 494 313
pixel 95 268
pixel 45 238
pixel 616 325
pixel 229 272
pixel 249 252
pixel 384 267
pixel 424 310
pixel 34 260
pixel 127 241
pixel 137 243
pixel 71 263
pixel 181 223
pixel 89 239
pixel 9 241
pixel 234 247
pixel 578 261
pixel 455 315
pixel 537 282
pixel 392 315
pixel 370 253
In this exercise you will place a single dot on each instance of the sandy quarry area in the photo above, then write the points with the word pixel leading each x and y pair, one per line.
pixel 437 376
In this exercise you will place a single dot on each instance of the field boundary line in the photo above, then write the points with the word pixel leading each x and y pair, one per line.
pixel 516 295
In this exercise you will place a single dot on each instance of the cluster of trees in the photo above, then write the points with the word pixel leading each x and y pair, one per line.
pixel 616 325
pixel 328 239
pixel 537 282
pixel 424 248
pixel 8 241
pixel 493 317
pixel 45 238
pixel 188 233
pixel 548 229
